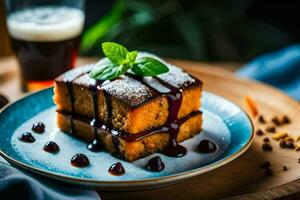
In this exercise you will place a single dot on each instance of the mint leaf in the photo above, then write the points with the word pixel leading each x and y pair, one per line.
pixel 107 72
pixel 116 53
pixel 99 70
pixel 131 56
pixel 119 60
pixel 147 66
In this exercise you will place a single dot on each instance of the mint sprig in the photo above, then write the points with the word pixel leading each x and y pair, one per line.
pixel 122 60
pixel 147 66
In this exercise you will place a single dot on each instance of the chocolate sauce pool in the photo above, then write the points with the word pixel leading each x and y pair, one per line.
pixel 95 146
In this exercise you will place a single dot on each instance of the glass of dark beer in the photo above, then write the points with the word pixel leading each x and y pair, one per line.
pixel 45 36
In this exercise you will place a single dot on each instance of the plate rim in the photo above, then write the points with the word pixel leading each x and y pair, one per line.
pixel 129 183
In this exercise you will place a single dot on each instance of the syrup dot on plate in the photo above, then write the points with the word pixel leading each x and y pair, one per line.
pixel 155 164
pixel 80 160
pixel 51 147
pixel 206 146
pixel 38 127
pixel 27 137
pixel 116 169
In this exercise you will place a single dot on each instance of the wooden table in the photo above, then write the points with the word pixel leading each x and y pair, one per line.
pixel 10 76
pixel 243 177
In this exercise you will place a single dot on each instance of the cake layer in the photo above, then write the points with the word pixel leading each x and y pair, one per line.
pixel 129 103
pixel 127 146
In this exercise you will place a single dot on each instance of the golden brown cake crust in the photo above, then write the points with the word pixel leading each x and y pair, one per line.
pixel 130 116
pixel 147 109
pixel 130 151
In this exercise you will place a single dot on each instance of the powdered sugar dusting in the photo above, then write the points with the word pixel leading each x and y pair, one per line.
pixel 85 80
pixel 130 91
pixel 176 76
pixel 74 73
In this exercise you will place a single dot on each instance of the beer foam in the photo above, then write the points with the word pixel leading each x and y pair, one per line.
pixel 46 24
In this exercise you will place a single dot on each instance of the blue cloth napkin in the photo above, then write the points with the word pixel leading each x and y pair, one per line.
pixel 280 69
pixel 15 184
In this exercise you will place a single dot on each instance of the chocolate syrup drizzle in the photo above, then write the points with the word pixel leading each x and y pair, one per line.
pixel 70 91
pixel 174 96
pixel 95 146
pixel 173 148
pixel 95 123
pixel 127 136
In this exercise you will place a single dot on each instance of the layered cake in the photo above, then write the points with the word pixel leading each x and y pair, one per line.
pixel 130 116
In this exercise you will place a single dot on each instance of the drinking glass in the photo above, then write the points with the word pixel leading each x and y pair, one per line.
pixel 45 36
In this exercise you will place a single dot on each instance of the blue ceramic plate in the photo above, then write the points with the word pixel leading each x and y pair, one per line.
pixel 224 123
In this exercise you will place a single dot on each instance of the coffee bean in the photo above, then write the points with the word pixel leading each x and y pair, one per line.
pixel 267 147
pixel 259 132
pixel 271 129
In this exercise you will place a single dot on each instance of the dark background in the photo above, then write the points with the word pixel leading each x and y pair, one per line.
pixel 204 30
pixel 207 30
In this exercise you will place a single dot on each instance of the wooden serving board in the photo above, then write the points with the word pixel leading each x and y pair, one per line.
pixel 244 175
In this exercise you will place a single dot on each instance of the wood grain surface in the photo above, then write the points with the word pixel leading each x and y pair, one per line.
pixel 243 178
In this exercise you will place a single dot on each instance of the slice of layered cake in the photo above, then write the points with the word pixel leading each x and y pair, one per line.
pixel 130 116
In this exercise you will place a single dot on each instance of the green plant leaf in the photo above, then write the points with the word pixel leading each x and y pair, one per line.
pixel 147 66
pixel 98 70
pixel 131 56
pixel 107 72
pixel 116 53
pixel 119 60
pixel 97 31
